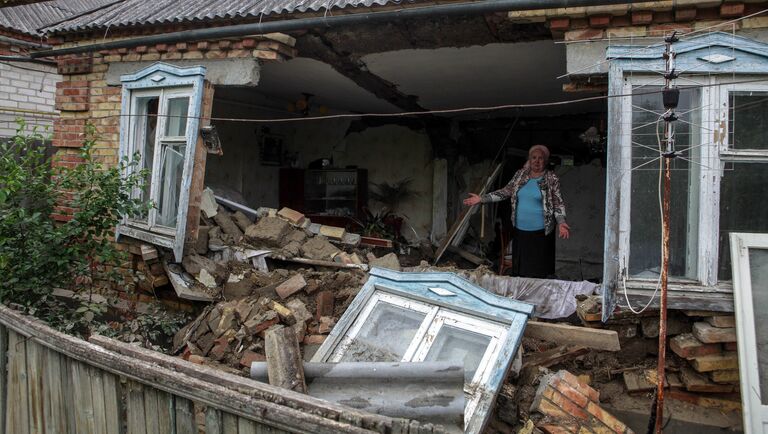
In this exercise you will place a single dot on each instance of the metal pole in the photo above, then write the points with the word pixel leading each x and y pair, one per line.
pixel 671 96
pixel 287 23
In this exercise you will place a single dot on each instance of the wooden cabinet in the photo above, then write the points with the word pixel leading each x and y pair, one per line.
pixel 328 192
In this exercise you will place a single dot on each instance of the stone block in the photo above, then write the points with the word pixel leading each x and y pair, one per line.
pixel 268 232
pixel 716 362
pixel 710 335
pixel 725 376
pixel 722 321
pixel 291 286
pixel 332 232
pixel 687 346
pixel 319 248
pixel 292 216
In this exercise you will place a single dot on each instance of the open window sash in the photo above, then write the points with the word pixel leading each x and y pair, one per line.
pixel 163 106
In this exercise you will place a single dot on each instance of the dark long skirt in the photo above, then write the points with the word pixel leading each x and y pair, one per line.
pixel 533 254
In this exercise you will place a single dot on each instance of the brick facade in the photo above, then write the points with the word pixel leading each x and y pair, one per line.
pixel 26 91
pixel 648 19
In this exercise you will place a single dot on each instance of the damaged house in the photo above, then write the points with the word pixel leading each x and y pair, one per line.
pixel 363 123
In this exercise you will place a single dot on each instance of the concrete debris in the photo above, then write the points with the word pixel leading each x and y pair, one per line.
pixel 228 226
pixel 268 232
pixel 389 260
pixel 241 220
pixel 208 204
pixel 205 270
pixel 319 248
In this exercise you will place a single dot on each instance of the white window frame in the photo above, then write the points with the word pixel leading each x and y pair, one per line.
pixel 446 300
pixel 713 157
pixel 165 82
pixel 754 413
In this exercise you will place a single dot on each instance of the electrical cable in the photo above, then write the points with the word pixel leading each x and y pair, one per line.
pixel 661 221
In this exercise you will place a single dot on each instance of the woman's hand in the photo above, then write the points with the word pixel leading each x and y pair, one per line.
pixel 473 199
pixel 564 230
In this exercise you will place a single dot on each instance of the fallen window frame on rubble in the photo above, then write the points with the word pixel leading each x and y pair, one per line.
pixel 445 300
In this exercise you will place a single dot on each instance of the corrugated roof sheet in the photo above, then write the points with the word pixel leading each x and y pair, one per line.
pixel 29 18
pixel 143 12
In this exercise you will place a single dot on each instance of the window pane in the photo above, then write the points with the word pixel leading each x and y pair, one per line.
pixel 171 171
pixel 386 334
pixel 645 215
pixel 743 207
pixel 748 120
pixel 758 271
pixel 176 124
pixel 457 345
pixel 144 128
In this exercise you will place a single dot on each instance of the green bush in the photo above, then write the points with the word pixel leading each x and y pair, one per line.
pixel 38 254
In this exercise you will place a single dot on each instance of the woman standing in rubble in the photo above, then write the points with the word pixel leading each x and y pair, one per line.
pixel 537 210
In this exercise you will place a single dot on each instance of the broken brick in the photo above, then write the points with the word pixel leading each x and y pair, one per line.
pixel 326 325
pixel 716 362
pixel 325 301
pixel 314 339
pixel 256 325
pixel 250 357
pixel 291 286
pixel 292 216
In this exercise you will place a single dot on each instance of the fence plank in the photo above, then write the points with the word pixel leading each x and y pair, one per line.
pixel 151 415
pixel 35 386
pixel 3 373
pixel 261 403
pixel 113 408
pixel 83 397
pixel 230 423
pixel 136 416
pixel 245 426
pixel 166 404
pixel 185 416
pixel 17 421
pixel 54 412
pixel 68 388
pixel 213 422
pixel 99 407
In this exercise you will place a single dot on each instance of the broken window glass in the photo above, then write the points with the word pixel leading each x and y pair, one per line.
pixel 385 335
pixel 455 344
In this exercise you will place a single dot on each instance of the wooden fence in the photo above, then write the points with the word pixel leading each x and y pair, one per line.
pixel 53 383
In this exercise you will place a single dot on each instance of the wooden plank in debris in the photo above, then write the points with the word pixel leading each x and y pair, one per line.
pixel 320 263
pixel 599 339
pixel 468 256
pixel 183 290
pixel 695 382
pixel 284 362
pixel 456 233
pixel 554 356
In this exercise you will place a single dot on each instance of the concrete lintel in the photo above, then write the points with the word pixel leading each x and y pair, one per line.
pixel 228 72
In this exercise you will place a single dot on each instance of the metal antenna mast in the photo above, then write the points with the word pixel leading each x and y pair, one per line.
pixel 671 97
